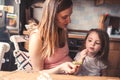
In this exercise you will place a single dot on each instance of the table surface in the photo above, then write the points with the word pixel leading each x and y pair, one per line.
pixel 22 75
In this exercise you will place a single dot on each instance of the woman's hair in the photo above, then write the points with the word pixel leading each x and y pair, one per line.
pixel 51 34
pixel 104 39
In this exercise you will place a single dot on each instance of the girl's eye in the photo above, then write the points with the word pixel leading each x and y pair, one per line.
pixel 98 43
pixel 90 40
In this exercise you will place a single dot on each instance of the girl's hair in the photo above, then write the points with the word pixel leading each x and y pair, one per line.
pixel 51 34
pixel 104 39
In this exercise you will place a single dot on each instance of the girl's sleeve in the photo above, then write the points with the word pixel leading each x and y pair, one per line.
pixel 103 66
pixel 77 56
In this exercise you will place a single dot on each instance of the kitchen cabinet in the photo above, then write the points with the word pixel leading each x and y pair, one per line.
pixel 100 2
pixel 112 1
pixel 74 46
pixel 114 59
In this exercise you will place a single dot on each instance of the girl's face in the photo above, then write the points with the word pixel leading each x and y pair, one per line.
pixel 63 18
pixel 93 44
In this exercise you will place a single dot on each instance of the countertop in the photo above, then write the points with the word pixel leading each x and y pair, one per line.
pixel 22 75
pixel 81 35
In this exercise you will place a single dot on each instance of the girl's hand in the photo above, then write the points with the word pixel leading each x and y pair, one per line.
pixel 68 68
pixel 80 57
pixel 83 54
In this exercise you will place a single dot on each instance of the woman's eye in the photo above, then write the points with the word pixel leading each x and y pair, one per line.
pixel 64 17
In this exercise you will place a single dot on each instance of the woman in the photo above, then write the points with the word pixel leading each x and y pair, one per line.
pixel 48 46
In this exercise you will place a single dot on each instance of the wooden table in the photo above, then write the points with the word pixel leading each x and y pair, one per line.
pixel 22 75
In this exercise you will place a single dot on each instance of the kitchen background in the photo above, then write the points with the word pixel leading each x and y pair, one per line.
pixel 86 14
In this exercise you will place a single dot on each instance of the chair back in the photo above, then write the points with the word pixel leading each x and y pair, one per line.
pixel 17 39
pixel 4 47
pixel 21 57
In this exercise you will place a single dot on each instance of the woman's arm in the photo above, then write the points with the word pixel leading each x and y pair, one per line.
pixel 64 68
pixel 34 50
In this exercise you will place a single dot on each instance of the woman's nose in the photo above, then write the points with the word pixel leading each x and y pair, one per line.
pixel 68 20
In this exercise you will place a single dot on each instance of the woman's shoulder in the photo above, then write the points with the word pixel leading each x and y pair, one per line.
pixel 35 31
pixel 35 34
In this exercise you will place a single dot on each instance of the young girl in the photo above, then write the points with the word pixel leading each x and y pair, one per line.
pixel 94 57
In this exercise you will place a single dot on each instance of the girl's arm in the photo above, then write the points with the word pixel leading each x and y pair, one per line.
pixel 80 56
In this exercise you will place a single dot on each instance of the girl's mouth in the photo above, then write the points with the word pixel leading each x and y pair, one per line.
pixel 91 49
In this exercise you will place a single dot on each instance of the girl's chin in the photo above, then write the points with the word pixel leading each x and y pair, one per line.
pixel 91 54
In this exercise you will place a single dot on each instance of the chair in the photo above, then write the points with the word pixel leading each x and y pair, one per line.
pixel 4 47
pixel 17 39
pixel 21 57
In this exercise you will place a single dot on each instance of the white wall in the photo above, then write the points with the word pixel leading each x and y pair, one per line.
pixel 85 14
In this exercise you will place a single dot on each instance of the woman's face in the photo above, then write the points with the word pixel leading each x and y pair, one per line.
pixel 63 18
pixel 93 43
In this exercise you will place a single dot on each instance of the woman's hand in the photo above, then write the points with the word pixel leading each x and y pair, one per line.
pixel 68 68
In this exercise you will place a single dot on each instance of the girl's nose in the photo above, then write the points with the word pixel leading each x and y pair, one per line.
pixel 93 43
